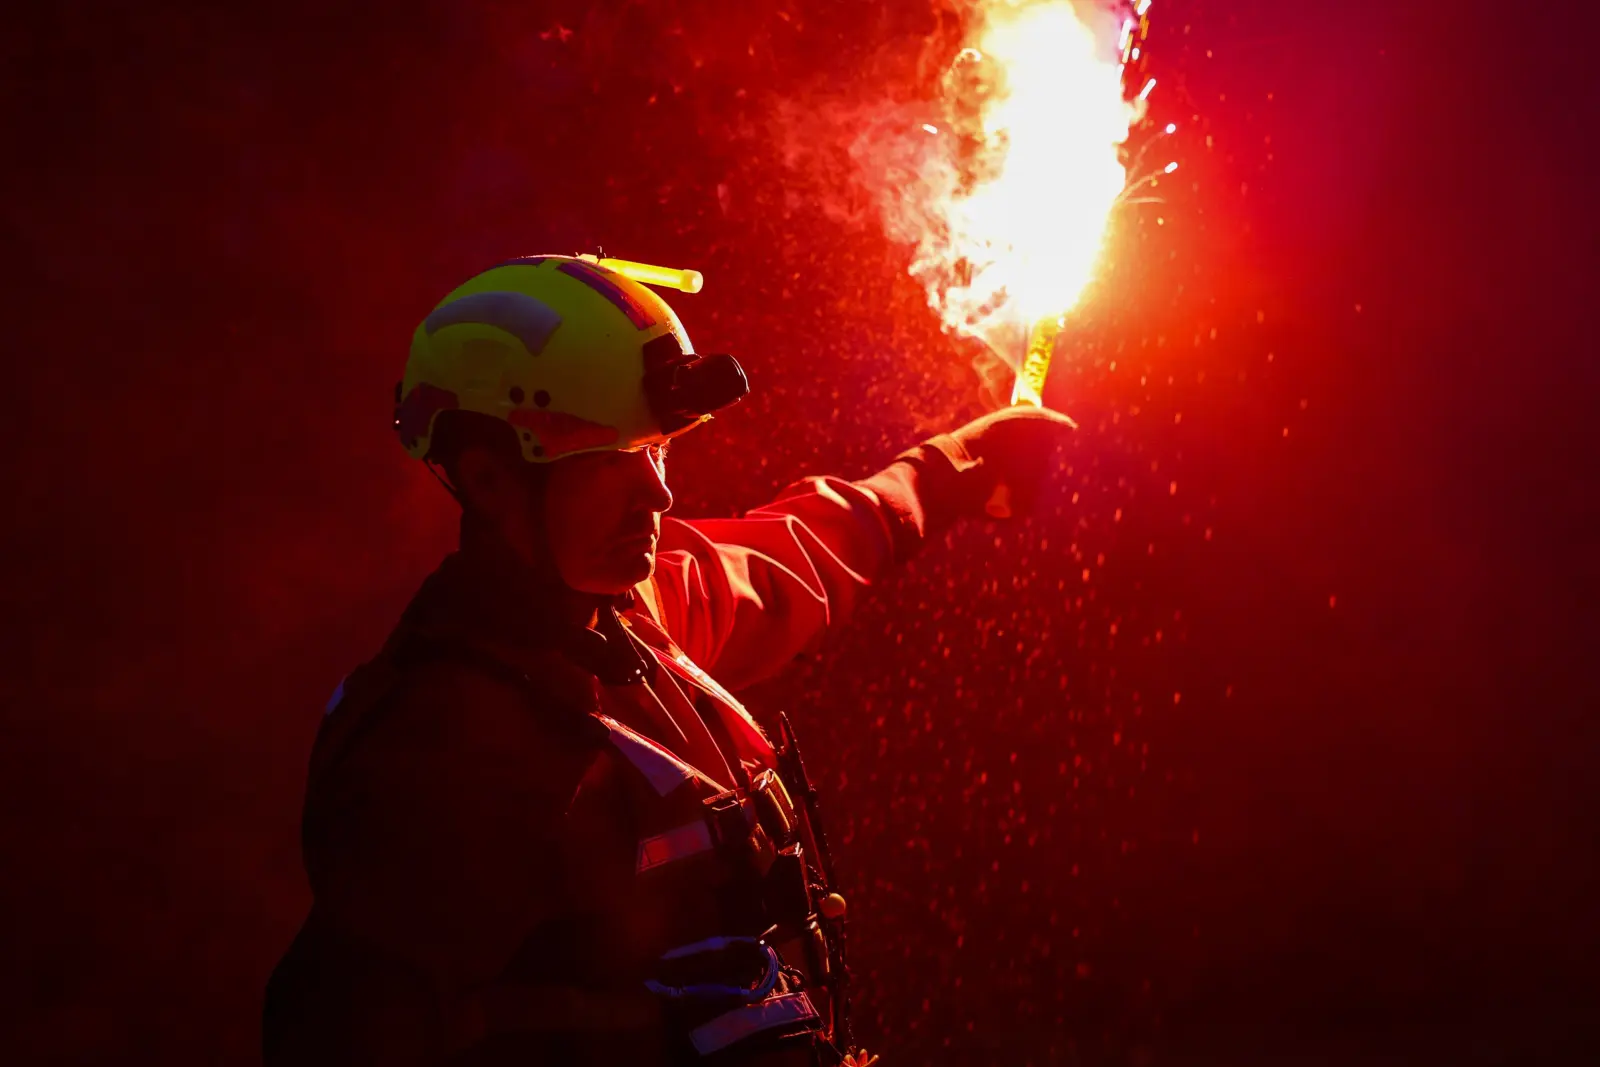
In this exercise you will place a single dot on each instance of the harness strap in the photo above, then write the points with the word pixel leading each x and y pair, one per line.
pixel 680 843
pixel 790 1011
pixel 664 771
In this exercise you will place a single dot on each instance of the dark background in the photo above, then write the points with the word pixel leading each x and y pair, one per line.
pixel 1267 741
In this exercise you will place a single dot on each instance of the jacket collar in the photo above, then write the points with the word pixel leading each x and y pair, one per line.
pixel 489 602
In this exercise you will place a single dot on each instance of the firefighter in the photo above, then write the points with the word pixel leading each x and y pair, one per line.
pixel 537 829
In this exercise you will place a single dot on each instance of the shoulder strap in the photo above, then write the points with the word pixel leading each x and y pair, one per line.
pixel 553 684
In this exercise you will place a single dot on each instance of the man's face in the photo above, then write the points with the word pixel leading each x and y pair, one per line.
pixel 603 515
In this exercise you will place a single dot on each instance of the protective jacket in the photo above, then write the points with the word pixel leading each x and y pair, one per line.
pixel 531 841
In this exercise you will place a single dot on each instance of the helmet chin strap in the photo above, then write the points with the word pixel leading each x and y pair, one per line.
pixel 433 469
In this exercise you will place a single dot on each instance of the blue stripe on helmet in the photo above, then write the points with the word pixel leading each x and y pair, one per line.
pixel 598 279
pixel 530 321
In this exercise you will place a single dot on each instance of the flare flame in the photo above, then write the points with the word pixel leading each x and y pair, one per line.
pixel 1021 182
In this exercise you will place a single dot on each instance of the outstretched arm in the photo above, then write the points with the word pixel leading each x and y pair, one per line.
pixel 743 597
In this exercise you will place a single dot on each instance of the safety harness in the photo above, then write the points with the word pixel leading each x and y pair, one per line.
pixel 735 883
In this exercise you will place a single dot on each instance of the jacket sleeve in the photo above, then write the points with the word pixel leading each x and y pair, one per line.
pixel 436 841
pixel 743 597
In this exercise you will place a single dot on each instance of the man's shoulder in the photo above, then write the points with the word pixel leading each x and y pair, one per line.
pixel 438 698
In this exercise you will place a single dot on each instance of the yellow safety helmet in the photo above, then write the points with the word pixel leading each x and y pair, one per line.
pixel 577 357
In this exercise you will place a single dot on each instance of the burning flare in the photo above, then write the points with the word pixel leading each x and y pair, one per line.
pixel 1016 188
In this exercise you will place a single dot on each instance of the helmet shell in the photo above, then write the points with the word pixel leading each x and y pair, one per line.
pixel 554 345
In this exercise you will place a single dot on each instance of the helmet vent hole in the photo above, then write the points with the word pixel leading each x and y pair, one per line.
pixel 516 394
pixel 541 398
pixel 538 450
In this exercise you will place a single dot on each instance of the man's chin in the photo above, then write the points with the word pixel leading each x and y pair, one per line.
pixel 625 573
pixel 643 569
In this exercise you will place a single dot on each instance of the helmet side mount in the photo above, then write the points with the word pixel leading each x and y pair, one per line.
pixel 683 388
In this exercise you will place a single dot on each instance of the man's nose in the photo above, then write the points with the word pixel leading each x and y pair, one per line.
pixel 652 483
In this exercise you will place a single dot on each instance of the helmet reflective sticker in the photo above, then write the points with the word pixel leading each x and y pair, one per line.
pixel 596 279
pixel 528 320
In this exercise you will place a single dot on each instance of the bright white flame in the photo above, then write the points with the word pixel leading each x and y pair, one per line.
pixel 1018 225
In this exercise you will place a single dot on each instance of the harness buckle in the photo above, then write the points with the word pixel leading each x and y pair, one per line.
pixel 744 969
pixel 774 809
pixel 787 900
pixel 729 821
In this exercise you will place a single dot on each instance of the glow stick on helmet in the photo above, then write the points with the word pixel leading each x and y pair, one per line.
pixel 685 281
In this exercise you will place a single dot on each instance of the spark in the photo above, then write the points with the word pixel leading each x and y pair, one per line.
pixel 930 127
pixel 1170 167
pixel 1149 87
